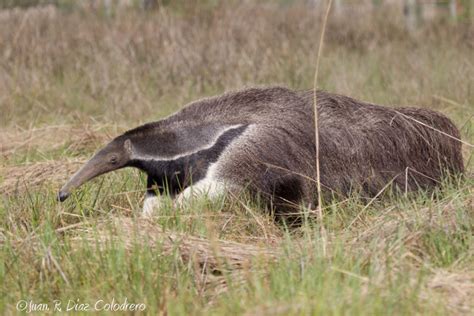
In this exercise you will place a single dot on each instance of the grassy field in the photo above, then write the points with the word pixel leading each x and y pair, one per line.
pixel 70 80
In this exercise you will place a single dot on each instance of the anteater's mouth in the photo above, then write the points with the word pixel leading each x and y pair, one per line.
pixel 62 196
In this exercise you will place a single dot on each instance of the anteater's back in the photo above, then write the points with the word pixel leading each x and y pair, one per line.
pixel 368 145
pixel 362 146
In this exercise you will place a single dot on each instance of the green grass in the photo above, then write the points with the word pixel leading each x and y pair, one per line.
pixel 384 264
pixel 66 90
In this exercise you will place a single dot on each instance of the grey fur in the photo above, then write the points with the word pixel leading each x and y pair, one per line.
pixel 263 139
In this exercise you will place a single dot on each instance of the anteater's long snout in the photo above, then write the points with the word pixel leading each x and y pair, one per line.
pixel 93 168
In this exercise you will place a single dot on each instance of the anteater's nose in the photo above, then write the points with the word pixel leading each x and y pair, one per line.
pixel 62 196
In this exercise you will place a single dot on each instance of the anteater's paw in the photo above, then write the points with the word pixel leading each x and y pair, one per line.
pixel 150 204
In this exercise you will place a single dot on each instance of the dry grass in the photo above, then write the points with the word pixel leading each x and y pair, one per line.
pixel 66 67
pixel 69 81
pixel 72 139
pixel 454 288
pixel 31 176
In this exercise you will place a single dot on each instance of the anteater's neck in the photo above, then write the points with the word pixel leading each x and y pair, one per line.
pixel 174 174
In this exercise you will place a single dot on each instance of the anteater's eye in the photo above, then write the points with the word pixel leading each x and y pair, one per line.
pixel 113 159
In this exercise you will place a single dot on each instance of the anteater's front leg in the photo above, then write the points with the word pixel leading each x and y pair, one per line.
pixel 151 202
pixel 209 188
pixel 153 199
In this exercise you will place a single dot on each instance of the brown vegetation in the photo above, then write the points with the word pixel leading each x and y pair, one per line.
pixel 65 67
pixel 71 80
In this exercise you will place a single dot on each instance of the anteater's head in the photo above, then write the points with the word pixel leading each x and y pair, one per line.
pixel 115 155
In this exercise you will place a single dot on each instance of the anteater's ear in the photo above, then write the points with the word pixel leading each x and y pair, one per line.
pixel 128 146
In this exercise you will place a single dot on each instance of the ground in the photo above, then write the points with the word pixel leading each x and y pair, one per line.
pixel 72 79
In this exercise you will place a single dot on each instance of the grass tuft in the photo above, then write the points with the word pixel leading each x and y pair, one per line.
pixel 72 79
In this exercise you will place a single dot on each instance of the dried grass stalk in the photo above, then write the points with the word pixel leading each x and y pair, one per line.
pixel 215 261
pixel 212 255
